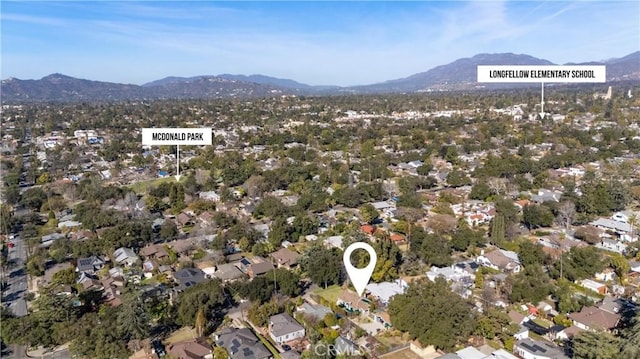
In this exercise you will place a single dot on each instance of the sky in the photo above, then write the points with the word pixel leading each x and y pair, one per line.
pixel 318 43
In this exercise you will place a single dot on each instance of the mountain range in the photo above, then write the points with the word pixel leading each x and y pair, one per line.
pixel 457 75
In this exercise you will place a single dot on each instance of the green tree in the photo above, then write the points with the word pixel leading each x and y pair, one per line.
pixel 458 178
pixel 530 254
pixel 480 191
pixel 579 263
pixel 433 314
pixel 208 296
pixel 176 198
pixel 369 213
pixel 530 285
pixel 133 319
pixel 322 265
pixel 259 314
pixel 535 216
pixel 168 230
pixel 595 345
pixel 388 262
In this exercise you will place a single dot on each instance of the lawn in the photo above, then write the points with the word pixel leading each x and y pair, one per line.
pixel 143 186
pixel 182 334
pixel 330 294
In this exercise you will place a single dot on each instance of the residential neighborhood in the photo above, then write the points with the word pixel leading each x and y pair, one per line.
pixel 498 234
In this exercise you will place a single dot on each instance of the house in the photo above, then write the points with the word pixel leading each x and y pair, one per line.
pixel 334 242
pixel 530 349
pixel 256 269
pixel 188 277
pixel 368 229
pixel 516 317
pixel 206 218
pixel 125 256
pixel 607 275
pixel 383 206
pixel 611 305
pixel 470 353
pixel 500 259
pixel 90 264
pixel 228 272
pixel 625 216
pixel 209 196
pixel 612 225
pixel 385 290
pixel 351 302
pixel 594 318
pixel 184 219
pixel 157 224
pixel 285 258
pixel 242 344
pixel 455 273
pixel 612 245
pixel 545 195
pixel 568 333
pixel 182 246
pixel 594 286
pixel 283 328
pixel 190 349
pixel 154 251
pixel 89 281
pixel 316 311
pixel 49 239
pixel 396 238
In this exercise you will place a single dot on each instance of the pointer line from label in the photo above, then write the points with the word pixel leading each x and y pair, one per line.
pixel 542 103
pixel 177 162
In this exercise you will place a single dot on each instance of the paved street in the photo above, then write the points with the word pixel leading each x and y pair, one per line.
pixel 17 279
pixel 13 295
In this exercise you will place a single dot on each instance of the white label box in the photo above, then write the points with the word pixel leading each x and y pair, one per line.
pixel 176 136
pixel 542 73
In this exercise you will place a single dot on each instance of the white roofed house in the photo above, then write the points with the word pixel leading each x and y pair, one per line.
pixel 612 245
pixel 594 286
pixel 283 328
pixel 385 290
pixel 334 241
pixel 209 196
pixel 500 259
pixel 612 225
pixel 125 256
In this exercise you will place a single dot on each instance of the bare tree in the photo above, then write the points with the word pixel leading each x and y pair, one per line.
pixel 566 214
pixel 488 296
pixel 130 201
pixel 497 185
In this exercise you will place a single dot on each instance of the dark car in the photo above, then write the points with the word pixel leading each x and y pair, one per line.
pixel 285 347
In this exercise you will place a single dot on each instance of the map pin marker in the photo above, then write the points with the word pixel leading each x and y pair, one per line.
pixel 360 276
